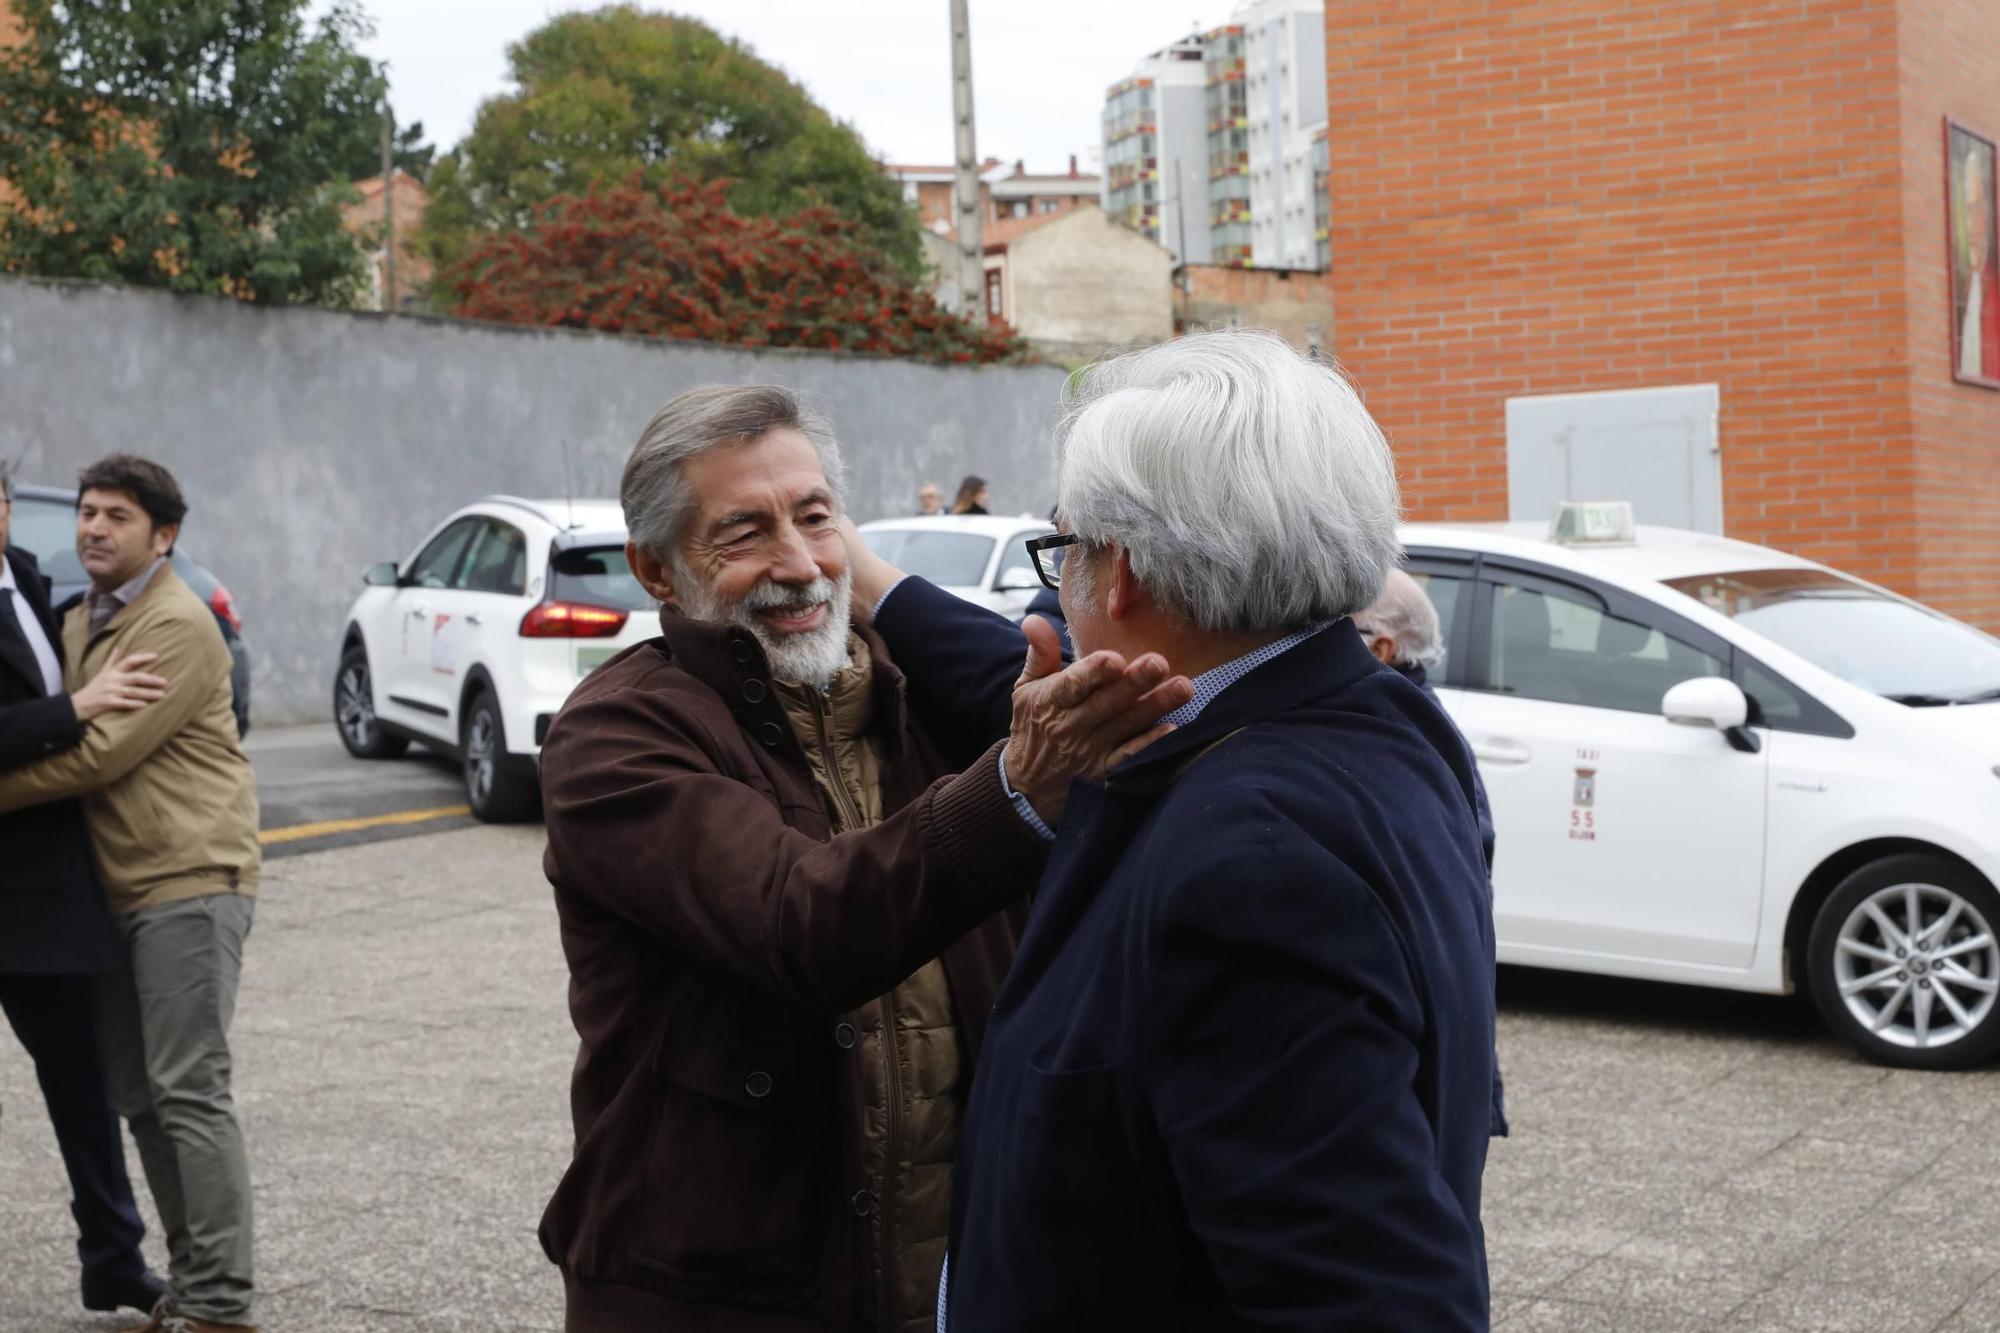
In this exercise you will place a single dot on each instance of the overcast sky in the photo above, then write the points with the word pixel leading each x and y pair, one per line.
pixel 1039 67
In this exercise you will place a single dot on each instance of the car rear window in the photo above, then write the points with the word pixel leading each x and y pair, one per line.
pixel 47 528
pixel 948 559
pixel 596 576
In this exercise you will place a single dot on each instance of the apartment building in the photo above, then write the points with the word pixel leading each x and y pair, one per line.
pixel 1284 75
pixel 1254 189
pixel 1156 151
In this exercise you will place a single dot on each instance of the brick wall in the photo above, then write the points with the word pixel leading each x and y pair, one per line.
pixel 1548 196
pixel 1950 67
pixel 1293 302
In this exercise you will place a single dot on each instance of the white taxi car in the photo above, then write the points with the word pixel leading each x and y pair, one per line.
pixel 471 644
pixel 973 556
pixel 1715 763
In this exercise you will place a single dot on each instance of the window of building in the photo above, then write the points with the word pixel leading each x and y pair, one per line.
pixel 1047 205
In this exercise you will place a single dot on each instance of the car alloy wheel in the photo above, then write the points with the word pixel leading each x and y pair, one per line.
pixel 354 706
pixel 482 740
pixel 361 731
pixel 1917 965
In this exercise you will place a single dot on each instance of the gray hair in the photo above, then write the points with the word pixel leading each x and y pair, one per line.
pixel 1246 482
pixel 1404 613
pixel 657 505
pixel 6 481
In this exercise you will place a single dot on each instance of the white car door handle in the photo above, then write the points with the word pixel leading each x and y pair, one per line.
pixel 419 612
pixel 473 619
pixel 1499 750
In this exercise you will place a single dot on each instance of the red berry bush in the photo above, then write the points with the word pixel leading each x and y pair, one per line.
pixel 678 263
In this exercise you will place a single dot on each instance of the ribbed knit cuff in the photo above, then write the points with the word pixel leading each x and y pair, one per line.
pixel 976 825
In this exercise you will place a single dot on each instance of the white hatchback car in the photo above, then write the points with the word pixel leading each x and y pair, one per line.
pixel 974 556
pixel 1715 763
pixel 471 644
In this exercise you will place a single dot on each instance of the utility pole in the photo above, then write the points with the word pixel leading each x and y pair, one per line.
pixel 388 206
pixel 971 255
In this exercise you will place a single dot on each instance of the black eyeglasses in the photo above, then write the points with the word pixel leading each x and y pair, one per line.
pixel 1047 553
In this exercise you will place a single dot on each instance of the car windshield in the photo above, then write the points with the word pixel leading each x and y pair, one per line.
pixel 948 559
pixel 47 528
pixel 596 576
pixel 1897 649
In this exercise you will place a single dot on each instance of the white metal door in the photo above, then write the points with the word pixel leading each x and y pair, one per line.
pixel 1657 448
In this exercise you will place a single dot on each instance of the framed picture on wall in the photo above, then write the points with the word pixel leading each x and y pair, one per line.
pixel 1973 235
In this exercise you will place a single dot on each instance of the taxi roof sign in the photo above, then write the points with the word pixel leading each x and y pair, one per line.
pixel 1594 523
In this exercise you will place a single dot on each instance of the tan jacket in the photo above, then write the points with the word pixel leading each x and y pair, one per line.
pixel 167 790
pixel 912 1064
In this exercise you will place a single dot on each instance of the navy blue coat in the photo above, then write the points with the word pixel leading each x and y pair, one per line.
pixel 52 914
pixel 1240 1073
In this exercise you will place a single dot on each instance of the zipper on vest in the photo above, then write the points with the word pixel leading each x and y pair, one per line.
pixel 843 800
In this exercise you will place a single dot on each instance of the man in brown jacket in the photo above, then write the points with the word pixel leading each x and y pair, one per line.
pixel 171 808
pixel 785 920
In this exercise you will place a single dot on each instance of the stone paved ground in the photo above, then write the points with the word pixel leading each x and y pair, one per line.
pixel 1681 1159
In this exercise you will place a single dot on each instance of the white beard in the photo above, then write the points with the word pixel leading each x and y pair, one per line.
pixel 811 658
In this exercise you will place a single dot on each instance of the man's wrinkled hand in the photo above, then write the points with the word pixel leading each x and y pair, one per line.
pixel 1076 722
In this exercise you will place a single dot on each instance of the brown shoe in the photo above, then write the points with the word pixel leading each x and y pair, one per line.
pixel 163 1310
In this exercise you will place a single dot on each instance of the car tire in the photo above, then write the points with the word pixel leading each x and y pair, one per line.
pixel 354 711
pixel 501 788
pixel 1927 998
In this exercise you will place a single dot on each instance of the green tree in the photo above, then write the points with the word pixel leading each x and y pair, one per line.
pixel 362 155
pixel 191 146
pixel 613 92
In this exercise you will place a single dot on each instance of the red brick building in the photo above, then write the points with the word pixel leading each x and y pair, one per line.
pixel 1536 197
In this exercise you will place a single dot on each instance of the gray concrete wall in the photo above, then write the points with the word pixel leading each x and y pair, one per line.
pixel 312 443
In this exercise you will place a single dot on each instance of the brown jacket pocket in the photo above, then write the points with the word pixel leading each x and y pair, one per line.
pixel 739 1173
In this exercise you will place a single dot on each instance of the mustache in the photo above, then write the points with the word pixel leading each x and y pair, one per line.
pixel 790 598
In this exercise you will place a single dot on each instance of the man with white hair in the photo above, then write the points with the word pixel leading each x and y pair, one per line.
pixel 1240 1071
pixel 786 909
pixel 1401 629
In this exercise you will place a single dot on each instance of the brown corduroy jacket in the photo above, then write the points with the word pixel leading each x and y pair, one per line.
pixel 717 931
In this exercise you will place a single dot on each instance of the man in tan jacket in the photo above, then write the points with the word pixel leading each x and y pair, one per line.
pixel 172 814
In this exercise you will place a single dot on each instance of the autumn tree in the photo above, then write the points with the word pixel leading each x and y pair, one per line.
pixel 189 146
pixel 606 94
pixel 678 261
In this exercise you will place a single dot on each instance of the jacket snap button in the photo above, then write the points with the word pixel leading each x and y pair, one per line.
pixel 771 734
pixel 740 650
pixel 753 691
pixel 860 1202
pixel 843 1036
pixel 758 1084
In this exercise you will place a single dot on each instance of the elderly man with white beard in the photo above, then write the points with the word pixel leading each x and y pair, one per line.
pixel 786 906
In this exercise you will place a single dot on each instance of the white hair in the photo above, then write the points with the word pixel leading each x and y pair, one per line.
pixel 1404 613
pixel 1245 481
pixel 657 503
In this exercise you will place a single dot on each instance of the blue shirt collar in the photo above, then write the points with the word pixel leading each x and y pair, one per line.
pixel 1211 683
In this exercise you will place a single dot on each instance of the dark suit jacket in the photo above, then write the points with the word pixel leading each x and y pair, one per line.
pixel 1240 1072
pixel 52 913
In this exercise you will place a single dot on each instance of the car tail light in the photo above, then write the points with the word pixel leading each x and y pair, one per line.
pixel 224 605
pixel 572 620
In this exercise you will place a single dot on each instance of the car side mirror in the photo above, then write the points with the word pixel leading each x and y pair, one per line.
pixel 1711 701
pixel 383 575
pixel 1017 580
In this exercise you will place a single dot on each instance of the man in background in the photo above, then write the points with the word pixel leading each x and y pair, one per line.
pixel 172 813
pixel 1401 629
pixel 930 500
pixel 55 935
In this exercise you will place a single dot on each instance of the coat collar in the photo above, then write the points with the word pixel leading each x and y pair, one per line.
pixel 729 660
pixel 1329 661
